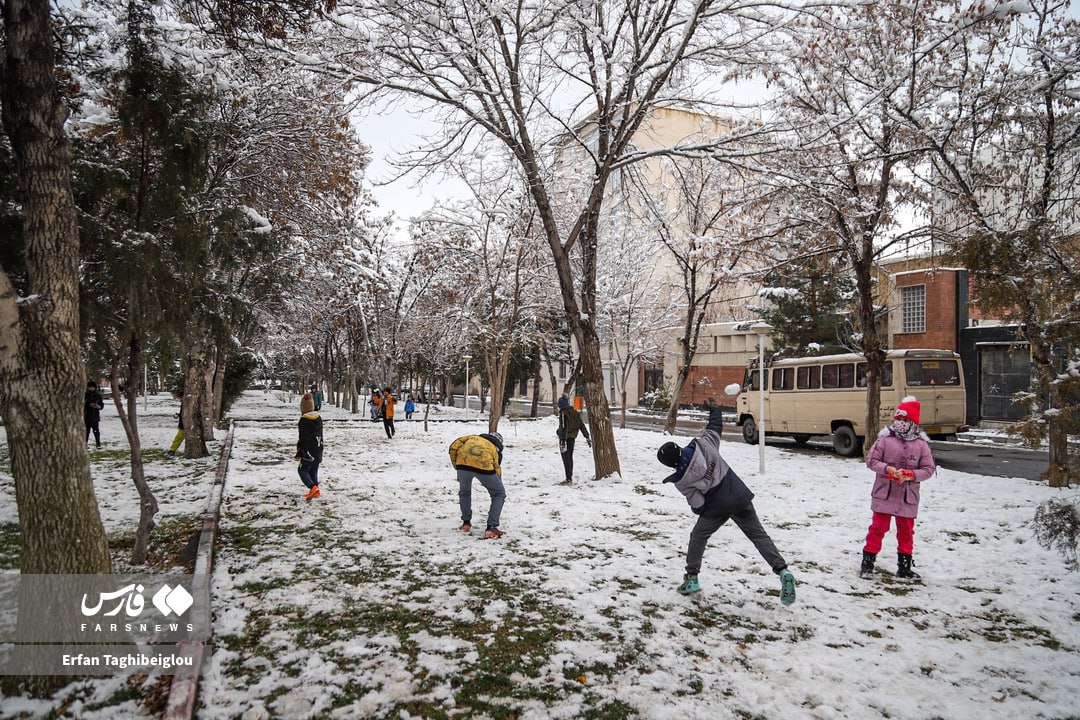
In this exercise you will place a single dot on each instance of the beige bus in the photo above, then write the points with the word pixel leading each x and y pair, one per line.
pixel 826 395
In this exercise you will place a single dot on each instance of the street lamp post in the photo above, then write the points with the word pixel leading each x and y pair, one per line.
pixel 466 358
pixel 762 329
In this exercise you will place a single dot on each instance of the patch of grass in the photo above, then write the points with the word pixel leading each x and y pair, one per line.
pixel 249 540
pixel 515 645
pixel 173 544
pixel 1003 626
pixel 264 445
pixel 958 535
pixel 790 525
pixel 10 542
pixel 645 490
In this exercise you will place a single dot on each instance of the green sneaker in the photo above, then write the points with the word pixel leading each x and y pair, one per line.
pixel 689 585
pixel 787 587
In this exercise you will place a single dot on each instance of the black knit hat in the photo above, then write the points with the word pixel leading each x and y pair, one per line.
pixel 669 454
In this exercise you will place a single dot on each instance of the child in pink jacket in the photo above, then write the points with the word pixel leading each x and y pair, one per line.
pixel 901 459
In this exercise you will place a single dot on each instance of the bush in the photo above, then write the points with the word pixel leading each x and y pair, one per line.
pixel 656 399
pixel 1057 527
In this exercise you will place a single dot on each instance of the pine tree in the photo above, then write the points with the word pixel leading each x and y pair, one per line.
pixel 809 304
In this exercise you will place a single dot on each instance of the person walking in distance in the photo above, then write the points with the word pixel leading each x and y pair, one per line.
pixel 479 457
pixel 715 493
pixel 570 424
pixel 376 404
pixel 316 396
pixel 180 434
pixel 901 460
pixel 309 447
pixel 93 404
pixel 388 403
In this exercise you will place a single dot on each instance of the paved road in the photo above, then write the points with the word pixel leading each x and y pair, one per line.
pixel 999 460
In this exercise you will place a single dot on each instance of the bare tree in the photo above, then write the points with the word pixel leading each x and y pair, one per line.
pixel 698 211
pixel 515 71
pixel 848 175
pixel 497 232
pixel 1003 133
pixel 632 310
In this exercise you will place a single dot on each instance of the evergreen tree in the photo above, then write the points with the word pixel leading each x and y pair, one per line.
pixel 809 304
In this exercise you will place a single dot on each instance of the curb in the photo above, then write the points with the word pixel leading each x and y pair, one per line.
pixel 185 688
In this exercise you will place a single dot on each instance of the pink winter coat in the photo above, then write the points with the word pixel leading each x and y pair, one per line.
pixel 888 496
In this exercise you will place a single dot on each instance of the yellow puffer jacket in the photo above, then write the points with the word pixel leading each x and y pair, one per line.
pixel 476 452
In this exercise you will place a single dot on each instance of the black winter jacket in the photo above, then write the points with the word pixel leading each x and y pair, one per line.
pixel 310 445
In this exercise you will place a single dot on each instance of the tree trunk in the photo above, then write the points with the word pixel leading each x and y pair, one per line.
pixel 193 409
pixel 605 456
pixel 1059 471
pixel 551 378
pixel 129 418
pixel 680 383
pixel 217 395
pixel 207 395
pixel 534 410
pixel 41 370
pixel 871 344
pixel 499 362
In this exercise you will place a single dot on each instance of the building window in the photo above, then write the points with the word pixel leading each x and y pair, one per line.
pixel 913 309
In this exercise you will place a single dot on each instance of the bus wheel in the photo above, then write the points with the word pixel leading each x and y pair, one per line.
pixel 749 430
pixel 800 439
pixel 845 442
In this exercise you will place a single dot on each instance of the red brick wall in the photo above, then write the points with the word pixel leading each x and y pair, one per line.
pixel 941 331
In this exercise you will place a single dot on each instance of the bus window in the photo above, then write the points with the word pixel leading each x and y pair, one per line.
pixel 931 372
pixel 841 375
pixel 886 375
pixel 808 377
pixel 753 383
pixel 783 378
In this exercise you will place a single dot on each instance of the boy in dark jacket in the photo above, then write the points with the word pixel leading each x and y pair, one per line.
pixel 715 493
pixel 570 424
pixel 309 448
pixel 93 404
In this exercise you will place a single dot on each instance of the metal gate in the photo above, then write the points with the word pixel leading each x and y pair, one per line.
pixel 1003 370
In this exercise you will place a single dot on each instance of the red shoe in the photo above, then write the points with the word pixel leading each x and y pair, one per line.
pixel 466 527
pixel 493 534
pixel 313 493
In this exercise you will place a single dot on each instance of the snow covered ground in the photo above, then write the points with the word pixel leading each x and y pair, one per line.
pixel 369 603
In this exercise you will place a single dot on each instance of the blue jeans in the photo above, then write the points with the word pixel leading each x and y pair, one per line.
pixel 492 483
pixel 309 473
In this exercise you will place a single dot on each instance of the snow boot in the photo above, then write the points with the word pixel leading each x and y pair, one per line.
pixel 787 587
pixel 903 567
pixel 867 569
pixel 689 585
